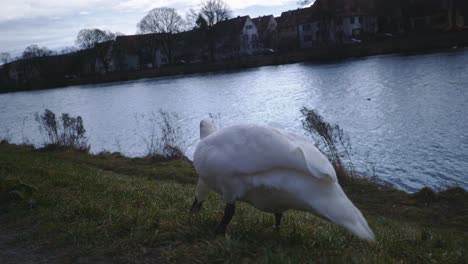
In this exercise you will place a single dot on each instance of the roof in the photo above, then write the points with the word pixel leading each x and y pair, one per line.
pixel 262 22
pixel 104 45
pixel 424 8
pixel 134 43
pixel 231 26
pixel 387 8
pixel 299 16
pixel 345 7
pixel 191 38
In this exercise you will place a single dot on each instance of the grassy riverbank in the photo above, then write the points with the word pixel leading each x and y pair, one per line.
pixel 109 208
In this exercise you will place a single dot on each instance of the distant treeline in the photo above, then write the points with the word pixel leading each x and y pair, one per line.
pixel 209 39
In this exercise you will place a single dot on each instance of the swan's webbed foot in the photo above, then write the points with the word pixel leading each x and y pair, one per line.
pixel 228 214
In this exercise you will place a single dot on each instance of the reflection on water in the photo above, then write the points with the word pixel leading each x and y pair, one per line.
pixel 406 115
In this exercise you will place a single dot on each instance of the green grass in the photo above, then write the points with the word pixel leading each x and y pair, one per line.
pixel 135 210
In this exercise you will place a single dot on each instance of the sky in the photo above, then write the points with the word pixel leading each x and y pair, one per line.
pixel 55 23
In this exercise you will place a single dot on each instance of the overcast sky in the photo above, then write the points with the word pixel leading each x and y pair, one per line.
pixel 55 23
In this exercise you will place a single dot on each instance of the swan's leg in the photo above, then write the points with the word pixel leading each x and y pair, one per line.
pixel 278 217
pixel 228 213
pixel 196 206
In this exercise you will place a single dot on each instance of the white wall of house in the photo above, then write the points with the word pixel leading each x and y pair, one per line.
pixel 249 37
pixel 308 35
pixel 353 26
pixel 340 30
pixel 272 25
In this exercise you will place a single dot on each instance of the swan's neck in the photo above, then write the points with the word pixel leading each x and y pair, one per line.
pixel 207 128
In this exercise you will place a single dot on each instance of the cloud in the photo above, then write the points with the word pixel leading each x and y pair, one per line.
pixel 234 4
pixel 55 23
pixel 19 9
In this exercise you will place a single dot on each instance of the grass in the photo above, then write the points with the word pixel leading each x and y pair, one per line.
pixel 114 208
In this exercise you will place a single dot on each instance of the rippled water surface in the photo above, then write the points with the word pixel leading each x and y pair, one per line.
pixel 413 130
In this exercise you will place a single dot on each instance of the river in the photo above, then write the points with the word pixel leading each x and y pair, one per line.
pixel 406 115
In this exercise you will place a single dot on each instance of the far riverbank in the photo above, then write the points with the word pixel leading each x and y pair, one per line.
pixel 426 43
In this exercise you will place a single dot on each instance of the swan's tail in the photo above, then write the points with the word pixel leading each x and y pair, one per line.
pixel 207 127
pixel 339 209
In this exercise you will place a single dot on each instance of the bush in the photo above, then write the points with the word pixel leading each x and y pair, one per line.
pixel 14 190
pixel 330 140
pixel 68 131
pixel 6 138
pixel 164 136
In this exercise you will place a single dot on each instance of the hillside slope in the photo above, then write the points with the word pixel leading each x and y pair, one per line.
pixel 108 209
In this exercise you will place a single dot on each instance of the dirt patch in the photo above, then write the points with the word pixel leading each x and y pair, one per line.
pixel 16 246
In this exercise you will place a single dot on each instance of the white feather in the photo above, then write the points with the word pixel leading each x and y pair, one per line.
pixel 274 170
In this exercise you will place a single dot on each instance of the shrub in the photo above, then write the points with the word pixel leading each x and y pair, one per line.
pixel 164 136
pixel 6 138
pixel 332 141
pixel 14 190
pixel 67 131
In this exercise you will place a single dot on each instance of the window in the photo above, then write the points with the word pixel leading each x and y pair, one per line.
pixel 307 38
pixel 360 20
pixel 353 20
pixel 249 27
pixel 306 27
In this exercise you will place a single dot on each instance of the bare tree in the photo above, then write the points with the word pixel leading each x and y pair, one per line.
pixel 5 57
pixel 68 50
pixel 34 51
pixel 163 20
pixel 104 52
pixel 89 38
pixel 32 63
pixel 214 11
pixel 210 13
pixel 191 18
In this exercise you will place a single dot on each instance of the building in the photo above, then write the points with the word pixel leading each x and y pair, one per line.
pixel 288 28
pixel 191 46
pixel 266 28
pixel 138 52
pixel 235 37
pixel 327 23
pixel 347 21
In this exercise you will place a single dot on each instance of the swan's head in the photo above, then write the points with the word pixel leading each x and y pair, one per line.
pixel 207 127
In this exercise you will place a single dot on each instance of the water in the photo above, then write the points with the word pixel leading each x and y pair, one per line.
pixel 412 132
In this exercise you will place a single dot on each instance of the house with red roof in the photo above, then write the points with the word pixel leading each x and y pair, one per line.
pixel 326 23
pixel 266 28
pixel 235 37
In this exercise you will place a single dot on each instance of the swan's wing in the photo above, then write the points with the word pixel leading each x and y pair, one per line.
pixel 250 149
pixel 315 162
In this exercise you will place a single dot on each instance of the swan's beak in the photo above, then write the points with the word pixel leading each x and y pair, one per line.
pixel 196 206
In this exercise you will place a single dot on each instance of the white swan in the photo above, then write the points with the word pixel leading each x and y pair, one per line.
pixel 273 170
